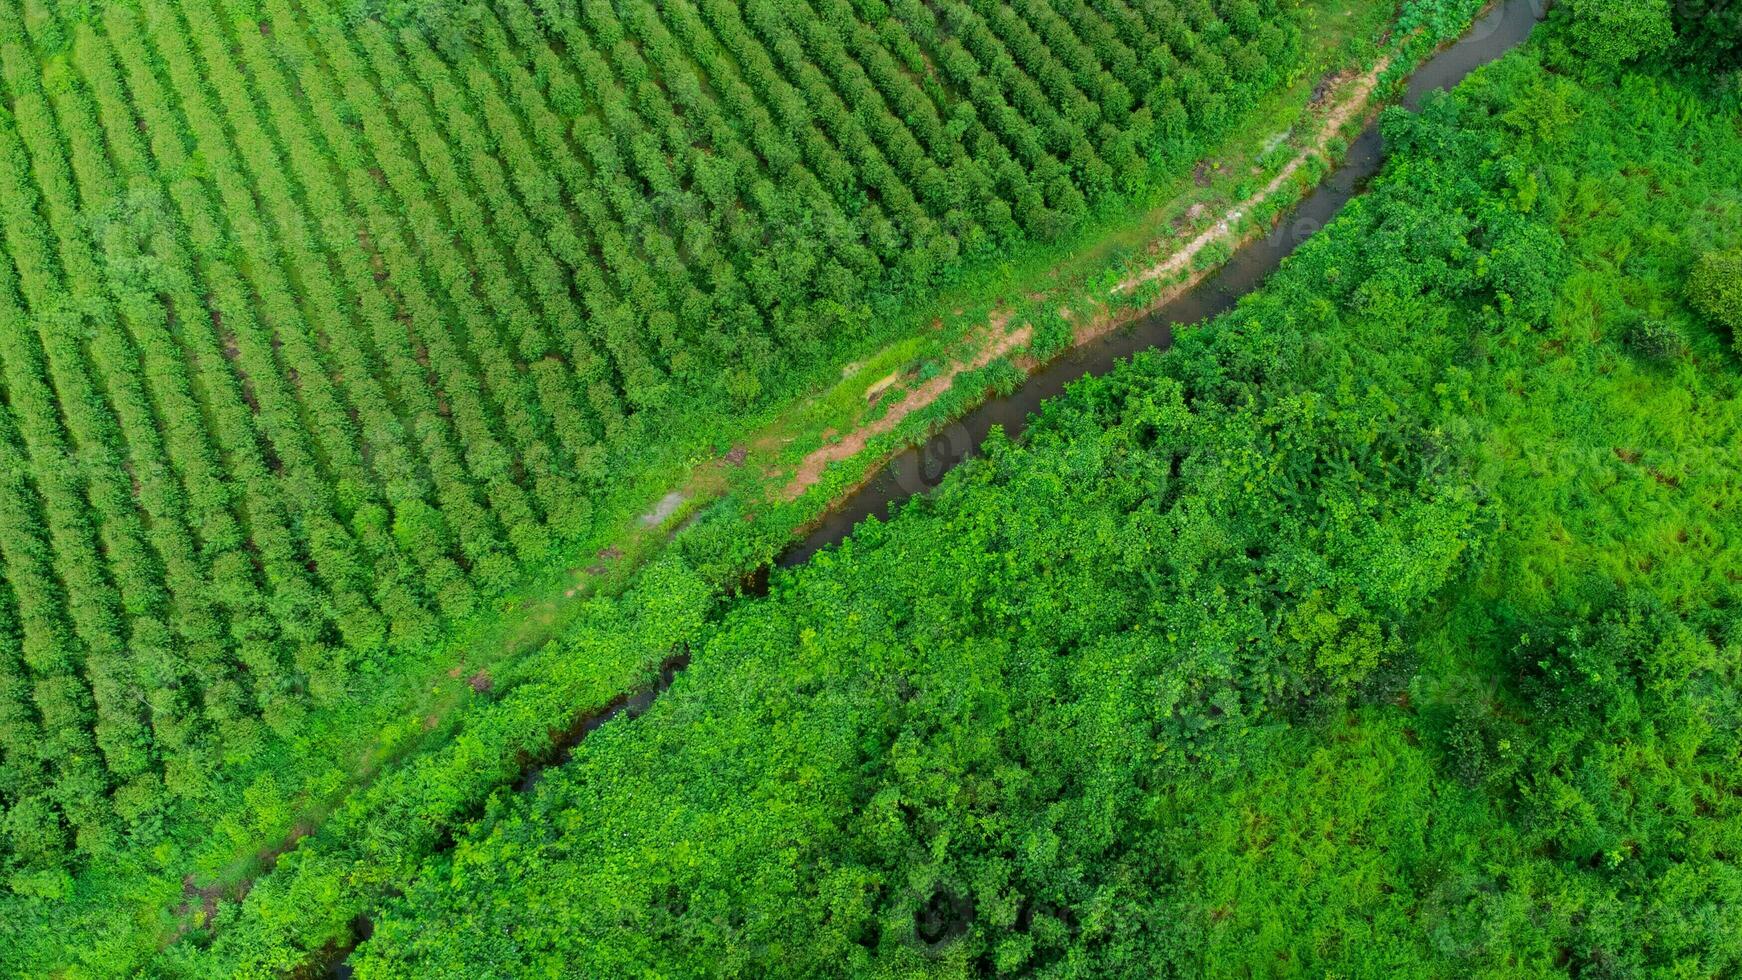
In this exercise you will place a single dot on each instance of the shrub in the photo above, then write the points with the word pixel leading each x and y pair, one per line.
pixel 1614 32
pixel 1655 340
pixel 1714 288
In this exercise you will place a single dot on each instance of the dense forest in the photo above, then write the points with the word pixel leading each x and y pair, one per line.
pixel 1389 624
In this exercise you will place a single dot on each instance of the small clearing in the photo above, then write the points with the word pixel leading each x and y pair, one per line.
pixel 666 507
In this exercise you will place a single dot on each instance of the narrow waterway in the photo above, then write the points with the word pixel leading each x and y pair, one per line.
pixel 923 467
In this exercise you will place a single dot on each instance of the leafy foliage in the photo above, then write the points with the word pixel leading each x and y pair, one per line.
pixel 1715 289
pixel 1655 339
pixel 1613 32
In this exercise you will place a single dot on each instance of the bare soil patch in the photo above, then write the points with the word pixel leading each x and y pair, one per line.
pixel 1000 341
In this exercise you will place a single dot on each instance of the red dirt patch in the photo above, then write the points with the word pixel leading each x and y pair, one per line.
pixel 1001 342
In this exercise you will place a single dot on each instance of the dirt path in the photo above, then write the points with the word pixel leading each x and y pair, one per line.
pixel 1351 99
pixel 1001 341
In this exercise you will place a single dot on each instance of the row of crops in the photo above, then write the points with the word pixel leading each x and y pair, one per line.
pixel 318 327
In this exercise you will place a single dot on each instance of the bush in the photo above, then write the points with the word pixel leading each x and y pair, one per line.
pixel 1613 32
pixel 1655 340
pixel 1715 288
